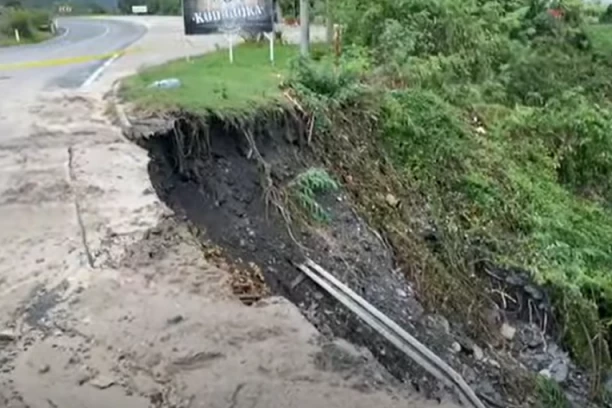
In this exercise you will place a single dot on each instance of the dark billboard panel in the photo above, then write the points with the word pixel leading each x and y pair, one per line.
pixel 227 16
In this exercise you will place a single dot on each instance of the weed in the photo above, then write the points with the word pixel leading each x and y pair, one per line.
pixel 307 186
pixel 550 394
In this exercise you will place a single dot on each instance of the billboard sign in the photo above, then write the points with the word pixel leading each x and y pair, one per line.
pixel 143 9
pixel 227 16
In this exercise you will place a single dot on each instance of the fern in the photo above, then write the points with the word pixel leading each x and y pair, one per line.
pixel 305 188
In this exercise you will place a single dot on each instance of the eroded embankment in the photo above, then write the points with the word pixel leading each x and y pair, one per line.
pixel 236 183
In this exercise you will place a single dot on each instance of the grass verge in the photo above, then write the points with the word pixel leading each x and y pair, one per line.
pixel 39 36
pixel 211 82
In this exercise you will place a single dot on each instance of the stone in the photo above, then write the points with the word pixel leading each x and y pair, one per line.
pixel 456 347
pixel 401 293
pixel 438 322
pixel 392 200
pixel 508 331
pixel 176 319
pixel 478 353
pixel 493 363
pixel 102 382
pixel 44 369
pixel 559 370
pixel 8 335
pixel 534 292
pixel 545 373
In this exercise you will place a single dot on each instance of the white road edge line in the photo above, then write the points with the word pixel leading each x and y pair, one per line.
pixel 96 74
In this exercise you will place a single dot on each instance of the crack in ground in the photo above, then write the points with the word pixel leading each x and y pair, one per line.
pixel 77 206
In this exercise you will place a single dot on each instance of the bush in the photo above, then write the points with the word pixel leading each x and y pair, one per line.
pixel 27 22
pixel 498 113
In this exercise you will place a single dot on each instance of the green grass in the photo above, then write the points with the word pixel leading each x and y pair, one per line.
pixel 6 41
pixel 210 82
pixel 601 37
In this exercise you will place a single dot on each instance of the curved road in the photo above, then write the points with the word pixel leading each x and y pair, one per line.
pixel 79 37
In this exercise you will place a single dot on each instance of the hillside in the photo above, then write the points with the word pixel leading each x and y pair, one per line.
pixel 475 137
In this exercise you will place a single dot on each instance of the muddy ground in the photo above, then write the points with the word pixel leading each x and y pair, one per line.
pixel 107 299
pixel 216 184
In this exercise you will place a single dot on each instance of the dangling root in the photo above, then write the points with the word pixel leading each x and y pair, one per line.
pixel 272 194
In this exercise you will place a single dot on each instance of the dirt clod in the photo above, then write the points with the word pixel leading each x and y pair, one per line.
pixel 8 335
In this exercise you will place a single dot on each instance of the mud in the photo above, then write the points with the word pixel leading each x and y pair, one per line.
pixel 220 192
pixel 220 187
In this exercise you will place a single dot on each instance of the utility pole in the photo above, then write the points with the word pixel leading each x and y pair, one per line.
pixel 304 27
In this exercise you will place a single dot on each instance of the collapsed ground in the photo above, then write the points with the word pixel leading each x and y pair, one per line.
pixel 455 161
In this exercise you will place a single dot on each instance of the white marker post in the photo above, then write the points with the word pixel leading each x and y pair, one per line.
pixel 17 36
pixel 270 38
pixel 230 39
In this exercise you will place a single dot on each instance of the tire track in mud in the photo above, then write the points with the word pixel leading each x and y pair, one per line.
pixel 77 209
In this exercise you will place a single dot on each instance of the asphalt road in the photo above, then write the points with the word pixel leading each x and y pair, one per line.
pixel 78 37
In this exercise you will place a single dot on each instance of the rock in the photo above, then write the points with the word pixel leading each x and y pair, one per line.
pixel 508 331
pixel 545 373
pixel 534 292
pixel 478 353
pixel 516 279
pixel 438 322
pixel 44 369
pixel 531 336
pixel 392 200
pixel 102 382
pixel 176 319
pixel 607 385
pixel 8 335
pixel 559 370
pixel 493 363
pixel 167 83
pixel 456 347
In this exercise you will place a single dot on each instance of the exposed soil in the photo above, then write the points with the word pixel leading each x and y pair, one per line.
pixel 214 178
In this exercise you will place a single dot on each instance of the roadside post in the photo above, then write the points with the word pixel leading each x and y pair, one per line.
pixel 230 17
pixel 17 36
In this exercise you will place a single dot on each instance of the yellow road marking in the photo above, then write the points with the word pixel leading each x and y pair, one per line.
pixel 64 61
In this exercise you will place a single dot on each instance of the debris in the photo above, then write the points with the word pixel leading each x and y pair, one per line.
pixel 176 319
pixel 438 322
pixel 298 279
pixel 493 363
pixel 392 200
pixel 534 292
pixel 559 370
pixel 508 331
pixel 478 353
pixel 168 83
pixel 82 378
pixel 8 335
pixel 102 382
pixel 545 373
pixel 44 369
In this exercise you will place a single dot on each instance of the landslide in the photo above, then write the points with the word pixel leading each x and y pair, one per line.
pixel 455 160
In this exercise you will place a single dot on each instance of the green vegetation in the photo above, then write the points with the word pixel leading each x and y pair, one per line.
pixel 307 186
pixel 490 119
pixel 497 118
pixel 550 394
pixel 33 26
pixel 210 82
